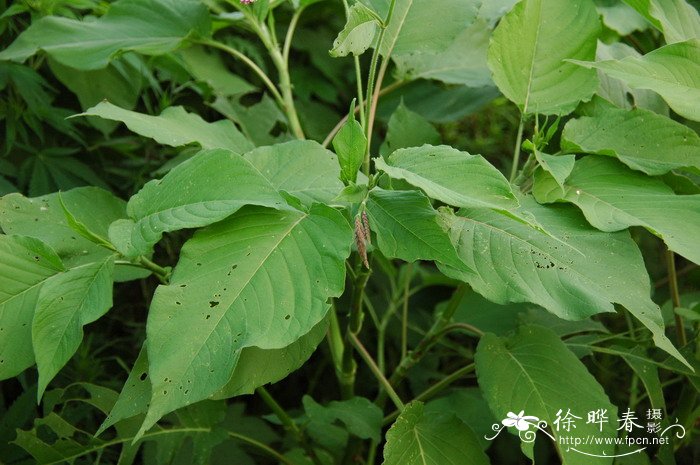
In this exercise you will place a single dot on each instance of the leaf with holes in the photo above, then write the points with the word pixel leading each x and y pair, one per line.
pixel 613 198
pixel 267 281
pixel 574 272
pixel 26 264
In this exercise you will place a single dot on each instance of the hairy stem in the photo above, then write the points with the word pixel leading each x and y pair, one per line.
pixel 516 151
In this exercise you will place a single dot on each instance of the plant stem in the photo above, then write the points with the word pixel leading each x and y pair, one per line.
pixel 251 64
pixel 404 313
pixel 516 152
pixel 263 447
pixel 376 371
pixel 353 328
pixel 288 423
pixel 430 337
pixel 287 94
pixel 290 33
pixel 434 389
pixel 675 297
pixel 162 273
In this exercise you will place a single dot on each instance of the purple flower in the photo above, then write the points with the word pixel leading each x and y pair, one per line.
pixel 247 2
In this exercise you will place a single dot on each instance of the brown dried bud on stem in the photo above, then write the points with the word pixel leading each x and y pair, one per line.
pixel 361 241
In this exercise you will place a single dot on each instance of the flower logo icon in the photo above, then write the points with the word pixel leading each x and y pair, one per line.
pixel 521 421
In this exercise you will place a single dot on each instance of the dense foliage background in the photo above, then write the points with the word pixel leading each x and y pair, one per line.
pixel 393 274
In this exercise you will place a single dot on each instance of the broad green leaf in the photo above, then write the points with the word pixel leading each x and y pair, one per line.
pixel 421 438
pixel 205 189
pixel 417 26
pixel 677 19
pixel 44 218
pixel 451 176
pixel 360 416
pixel 25 265
pixel 256 367
pixel 613 197
pixel 260 122
pixel 359 32
pixel 149 27
pixel 267 280
pixel 209 68
pixel 462 62
pixel 528 52
pixel 67 302
pixel 574 272
pixel 673 71
pixel 536 373
pixel 641 139
pixel 619 93
pixel 408 129
pixel 176 127
pixel 558 166
pixel 407 227
pixel 350 145
pixel 469 406
pixel 648 373
pixel 303 169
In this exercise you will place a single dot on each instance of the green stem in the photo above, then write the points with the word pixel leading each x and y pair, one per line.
pixel 516 152
pixel 288 423
pixel 675 297
pixel 435 389
pixel 251 64
pixel 353 328
pixel 404 313
pixel 376 372
pixel 162 273
pixel 263 447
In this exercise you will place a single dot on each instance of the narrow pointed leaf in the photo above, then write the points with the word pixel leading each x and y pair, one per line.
pixel 203 190
pixel 451 176
pixel 641 139
pixel 67 302
pixel 574 272
pixel 154 27
pixel 407 227
pixel 533 372
pixel 176 127
pixel 673 71
pixel 267 280
pixel 25 265
pixel 528 49
pixel 558 166
pixel 350 144
pixel 613 198
pixel 418 437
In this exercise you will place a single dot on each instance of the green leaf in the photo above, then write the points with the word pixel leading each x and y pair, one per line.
pixel 302 168
pixel 360 416
pixel 613 197
pixel 677 19
pixel 350 145
pixel 209 68
pixel 462 62
pixel 151 28
pixel 44 218
pixel 359 32
pixel 419 438
pixel 528 49
pixel 67 302
pixel 575 271
pixel 408 129
pixel 620 17
pixel 418 26
pixel 619 93
pixel 558 166
pixel 441 172
pixel 641 139
pixel 176 127
pixel 673 71
pixel 533 372
pixel 407 227
pixel 25 265
pixel 205 189
pixel 266 283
